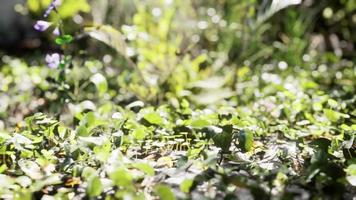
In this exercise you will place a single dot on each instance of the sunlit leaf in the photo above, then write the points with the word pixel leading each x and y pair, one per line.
pixel 154 118
pixel 186 185
pixel 95 186
pixel 108 35
pixel 144 168
pixel 280 4
pixel 164 192
pixel 121 177
pixel 100 82
pixel 31 169
pixel 334 116
pixel 200 123
pixel 351 174
pixel 71 7
pixel 140 132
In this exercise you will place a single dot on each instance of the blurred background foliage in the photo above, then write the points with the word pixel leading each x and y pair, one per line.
pixel 204 51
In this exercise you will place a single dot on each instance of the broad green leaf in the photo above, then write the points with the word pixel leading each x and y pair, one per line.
pixel 24 181
pixel 53 179
pixel 88 172
pixel 103 151
pixel 34 5
pixel 31 169
pixel 3 167
pixel 224 138
pixel 82 131
pixel 5 181
pixel 153 118
pixel 95 186
pixel 71 7
pixel 317 106
pixel 89 120
pixel 4 136
pixel 121 177
pixel 211 96
pixel 200 123
pixel 108 35
pixel 62 131
pixel 87 123
pixel 334 116
pixel 98 141
pixel 210 83
pixel 68 8
pixel 281 4
pixel 245 139
pixel 351 174
pixel 144 168
pixel 186 185
pixel 164 192
pixel 139 133
pixel 100 82
pixel 332 103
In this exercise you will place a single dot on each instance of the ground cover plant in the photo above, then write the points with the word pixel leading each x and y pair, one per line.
pixel 205 99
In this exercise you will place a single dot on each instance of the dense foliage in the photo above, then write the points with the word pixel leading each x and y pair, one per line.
pixel 205 99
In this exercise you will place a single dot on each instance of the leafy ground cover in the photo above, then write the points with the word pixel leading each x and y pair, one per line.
pixel 162 123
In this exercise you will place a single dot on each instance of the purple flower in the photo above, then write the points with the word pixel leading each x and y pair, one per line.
pixel 42 25
pixel 57 3
pixel 53 5
pixel 53 60
pixel 56 31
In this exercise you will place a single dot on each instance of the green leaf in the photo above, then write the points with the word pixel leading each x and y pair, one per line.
pixel 95 187
pixel 98 141
pixel 68 8
pixel 245 139
pixel 82 131
pixel 88 123
pixel 30 168
pixel 164 192
pixel 6 181
pixel 88 172
pixel 351 174
pixel 71 7
pixel 211 96
pixel 33 5
pixel 62 131
pixel 100 82
pixel 153 118
pixel 334 116
pixel 121 177
pixel 144 168
pixel 4 136
pixel 224 139
pixel 109 36
pixel 200 123
pixel 139 133
pixel 3 167
pixel 65 39
pixel 332 103
pixel 186 185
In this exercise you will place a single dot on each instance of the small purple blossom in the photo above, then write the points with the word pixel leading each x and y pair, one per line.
pixel 57 2
pixel 56 31
pixel 53 5
pixel 42 25
pixel 53 60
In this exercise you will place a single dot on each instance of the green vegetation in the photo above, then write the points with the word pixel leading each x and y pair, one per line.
pixel 203 99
